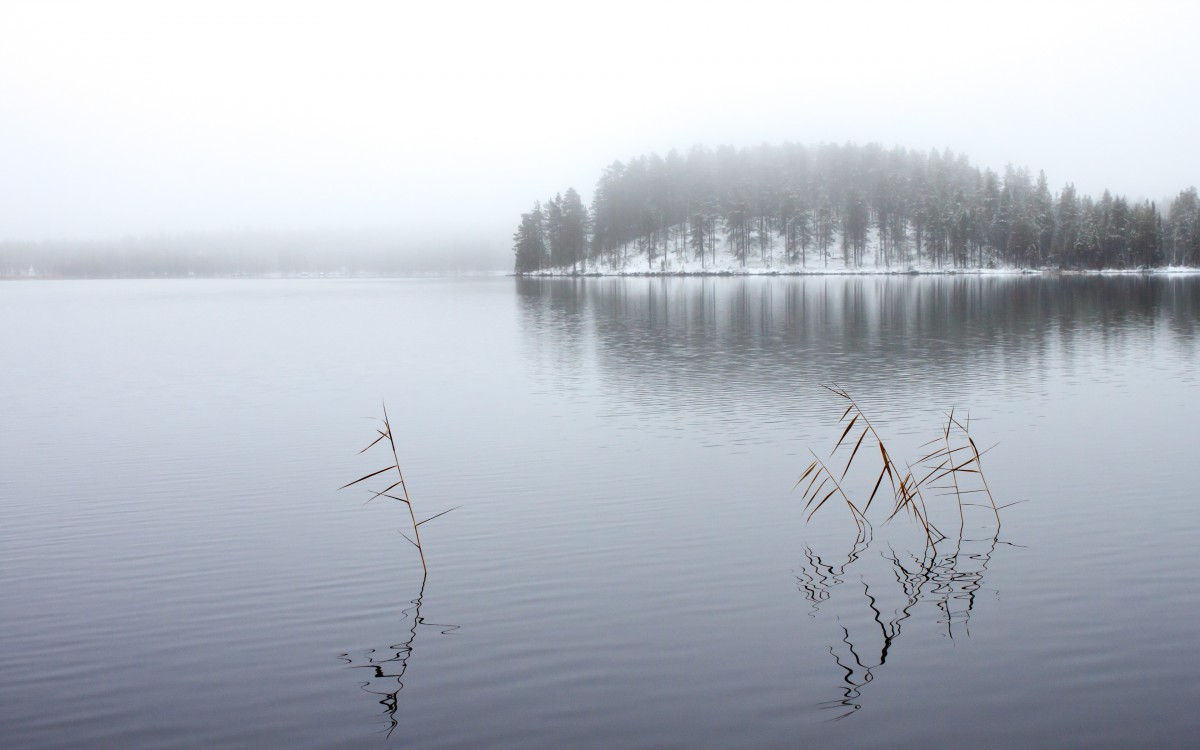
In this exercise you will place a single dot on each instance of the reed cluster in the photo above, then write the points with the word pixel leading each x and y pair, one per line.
pixel 952 467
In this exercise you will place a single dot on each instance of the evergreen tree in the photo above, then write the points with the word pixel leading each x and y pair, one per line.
pixel 1183 221
pixel 573 230
pixel 529 243
pixel 554 232
pixel 855 225
pixel 1062 248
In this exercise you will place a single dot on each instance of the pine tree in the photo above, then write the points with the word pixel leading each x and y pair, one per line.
pixel 1183 220
pixel 554 231
pixel 529 243
pixel 573 231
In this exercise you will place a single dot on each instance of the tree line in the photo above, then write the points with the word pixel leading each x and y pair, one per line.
pixel 855 205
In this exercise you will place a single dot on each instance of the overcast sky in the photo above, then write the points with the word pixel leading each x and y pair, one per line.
pixel 130 118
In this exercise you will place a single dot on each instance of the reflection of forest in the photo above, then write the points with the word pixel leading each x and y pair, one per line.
pixel 769 333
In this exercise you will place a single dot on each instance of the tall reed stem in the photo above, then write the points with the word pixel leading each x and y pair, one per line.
pixel 387 434
pixel 948 460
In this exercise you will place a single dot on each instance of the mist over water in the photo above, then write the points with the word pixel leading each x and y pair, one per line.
pixel 259 253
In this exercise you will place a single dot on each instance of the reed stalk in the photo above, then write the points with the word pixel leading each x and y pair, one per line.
pixel 386 434
pixel 954 456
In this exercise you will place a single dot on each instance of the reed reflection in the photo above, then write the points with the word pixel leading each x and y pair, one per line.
pixel 882 592
pixel 387 667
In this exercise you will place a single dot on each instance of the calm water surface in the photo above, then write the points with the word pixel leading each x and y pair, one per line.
pixel 630 566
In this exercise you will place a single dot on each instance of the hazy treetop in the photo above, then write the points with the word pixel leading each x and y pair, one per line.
pixel 129 117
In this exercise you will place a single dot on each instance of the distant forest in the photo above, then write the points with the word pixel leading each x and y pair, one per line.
pixel 246 254
pixel 858 206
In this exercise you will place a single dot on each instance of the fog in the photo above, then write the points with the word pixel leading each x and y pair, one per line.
pixel 442 122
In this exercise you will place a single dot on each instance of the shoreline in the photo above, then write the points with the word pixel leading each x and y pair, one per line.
pixel 610 274
pixel 842 272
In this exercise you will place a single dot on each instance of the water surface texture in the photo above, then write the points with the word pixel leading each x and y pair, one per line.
pixel 630 566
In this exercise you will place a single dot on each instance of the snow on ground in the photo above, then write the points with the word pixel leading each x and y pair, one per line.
pixel 681 260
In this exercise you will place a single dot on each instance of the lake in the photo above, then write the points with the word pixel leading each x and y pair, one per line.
pixel 630 565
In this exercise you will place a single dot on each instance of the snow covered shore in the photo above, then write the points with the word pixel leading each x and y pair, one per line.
pixel 769 260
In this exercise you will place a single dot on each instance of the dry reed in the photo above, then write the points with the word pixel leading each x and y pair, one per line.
pixel 386 434
pixel 954 457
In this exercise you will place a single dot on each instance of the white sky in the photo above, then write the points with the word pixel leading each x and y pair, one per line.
pixel 127 118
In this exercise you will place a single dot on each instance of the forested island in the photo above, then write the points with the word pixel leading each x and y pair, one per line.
pixel 844 207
